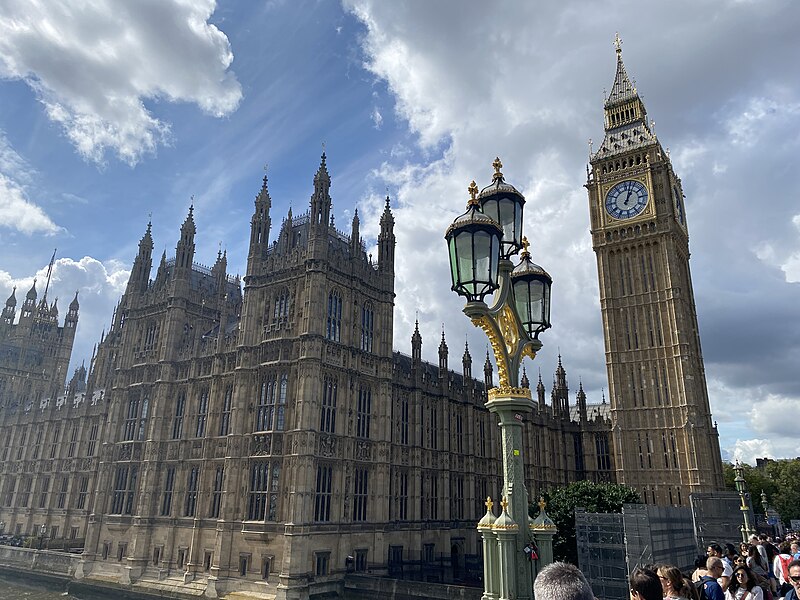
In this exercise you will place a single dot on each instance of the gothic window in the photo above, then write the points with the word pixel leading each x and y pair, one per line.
pixel 322 498
pixel 460 434
pixel 225 417
pixel 334 323
pixel 367 317
pixel 632 380
pixel 635 331
pixel 131 417
pixel 580 466
pixel 457 496
pixel 657 385
pixel 481 438
pixel 402 496
pixel 263 500
pixel 627 331
pixel 83 492
pixel 166 498
pixel 93 430
pixel 674 454
pixel 650 327
pixel 434 428
pixel 37 443
pixel 649 451
pixel 361 559
pixel 666 455
pixel 6 446
pixel 602 450
pixel 643 269
pixel 652 271
pixel 281 410
pixel 327 413
pixel 433 498
pixel 43 491
pixel 266 404
pixel 641 454
pixel 360 492
pixel 364 412
pixel 190 504
pixel 280 311
pixel 216 494
pixel 61 499
pixel 23 438
pixel 124 490
pixel 177 420
pixel 404 419
pixel 8 490
pixel 322 563
pixel 666 383
pixel 202 414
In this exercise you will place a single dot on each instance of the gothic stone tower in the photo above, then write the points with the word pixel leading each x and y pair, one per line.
pixel 665 444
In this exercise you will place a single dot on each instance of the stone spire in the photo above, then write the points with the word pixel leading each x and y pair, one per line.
pixel 140 271
pixel 622 90
pixel 10 309
pixel 355 236
pixel 487 372
pixel 72 314
pixel 184 251
pixel 466 362
pixel 582 403
pixel 260 224
pixel 416 345
pixel 540 393
pixel 386 240
pixel 321 199
pixel 443 352
pixel 524 382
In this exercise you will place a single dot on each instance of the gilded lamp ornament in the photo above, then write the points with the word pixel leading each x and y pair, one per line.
pixel 481 243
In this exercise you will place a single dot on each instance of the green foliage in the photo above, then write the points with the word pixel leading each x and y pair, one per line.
pixel 780 480
pixel 594 497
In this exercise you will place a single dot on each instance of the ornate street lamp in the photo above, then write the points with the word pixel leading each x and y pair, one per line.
pixel 474 244
pixel 42 533
pixel 741 487
pixel 520 311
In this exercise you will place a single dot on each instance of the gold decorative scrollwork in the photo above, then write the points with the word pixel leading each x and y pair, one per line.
pixel 508 391
pixel 508 329
pixel 484 322
pixel 529 351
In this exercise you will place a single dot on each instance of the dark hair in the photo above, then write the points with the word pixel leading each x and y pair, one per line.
pixel 753 553
pixel 785 548
pixel 734 584
pixel 700 561
pixel 715 547
pixel 646 584
pixel 794 563
pixel 730 549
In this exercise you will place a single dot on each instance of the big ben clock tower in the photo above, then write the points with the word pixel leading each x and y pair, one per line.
pixel 665 443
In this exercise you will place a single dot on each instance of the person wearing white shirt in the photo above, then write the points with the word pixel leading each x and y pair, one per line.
pixel 743 586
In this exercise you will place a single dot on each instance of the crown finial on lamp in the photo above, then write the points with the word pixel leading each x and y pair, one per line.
pixel 497 166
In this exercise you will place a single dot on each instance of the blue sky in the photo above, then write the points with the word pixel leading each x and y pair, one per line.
pixel 115 111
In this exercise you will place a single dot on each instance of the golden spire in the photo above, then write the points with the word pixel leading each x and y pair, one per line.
pixel 497 166
pixel 473 193
pixel 525 244
pixel 504 503
pixel 489 504
pixel 618 43
pixel 541 503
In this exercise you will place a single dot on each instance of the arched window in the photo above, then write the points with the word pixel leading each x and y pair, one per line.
pixel 327 413
pixel 364 412
pixel 280 312
pixel 367 320
pixel 333 330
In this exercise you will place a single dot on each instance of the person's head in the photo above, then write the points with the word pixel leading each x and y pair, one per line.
pixel 784 548
pixel 730 550
pixel 700 562
pixel 714 550
pixel 562 581
pixel 714 567
pixel 794 575
pixel 753 539
pixel 645 585
pixel 740 560
pixel 742 578
pixel 672 581
pixel 794 548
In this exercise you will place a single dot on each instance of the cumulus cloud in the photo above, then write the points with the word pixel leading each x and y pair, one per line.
pixel 17 211
pixel 94 65
pixel 525 84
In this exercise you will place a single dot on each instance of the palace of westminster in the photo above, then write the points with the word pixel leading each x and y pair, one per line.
pixel 269 436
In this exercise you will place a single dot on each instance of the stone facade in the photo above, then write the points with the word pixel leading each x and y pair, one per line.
pixel 272 439
pixel 665 444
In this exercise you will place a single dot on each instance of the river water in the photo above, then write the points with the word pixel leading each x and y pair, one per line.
pixel 16 589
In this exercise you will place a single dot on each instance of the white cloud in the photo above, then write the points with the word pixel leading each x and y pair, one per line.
pixel 93 66
pixel 377 117
pixel 17 211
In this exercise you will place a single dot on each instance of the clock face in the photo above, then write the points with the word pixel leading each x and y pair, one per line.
pixel 626 199
pixel 678 205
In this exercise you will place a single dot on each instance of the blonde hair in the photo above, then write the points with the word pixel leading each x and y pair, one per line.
pixel 676 580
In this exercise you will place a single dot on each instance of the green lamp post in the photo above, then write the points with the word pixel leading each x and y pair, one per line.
pixel 481 244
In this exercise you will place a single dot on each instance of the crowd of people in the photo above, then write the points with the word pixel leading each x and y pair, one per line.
pixel 762 569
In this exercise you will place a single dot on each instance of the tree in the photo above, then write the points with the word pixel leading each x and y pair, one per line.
pixel 779 480
pixel 594 497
